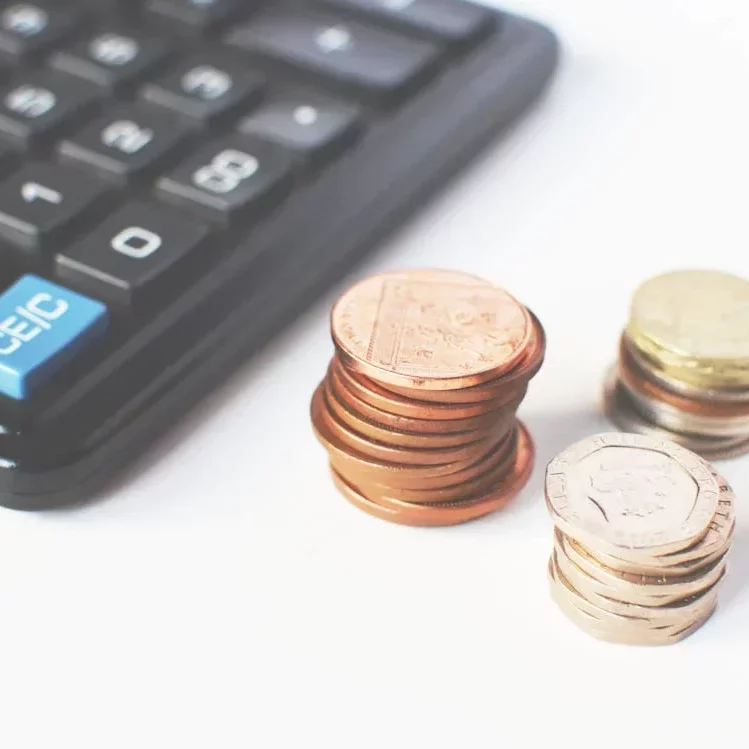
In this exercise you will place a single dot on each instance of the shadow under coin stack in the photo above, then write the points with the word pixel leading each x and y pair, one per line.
pixel 683 370
pixel 643 527
pixel 417 410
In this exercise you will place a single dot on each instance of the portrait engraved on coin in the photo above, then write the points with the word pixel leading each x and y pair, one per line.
pixel 630 486
pixel 631 492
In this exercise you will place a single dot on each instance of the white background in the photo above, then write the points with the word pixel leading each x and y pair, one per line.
pixel 225 596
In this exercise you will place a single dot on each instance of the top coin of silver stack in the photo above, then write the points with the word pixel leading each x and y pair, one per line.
pixel 643 528
pixel 683 369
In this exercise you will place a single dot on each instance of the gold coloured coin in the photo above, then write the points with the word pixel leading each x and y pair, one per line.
pixel 695 324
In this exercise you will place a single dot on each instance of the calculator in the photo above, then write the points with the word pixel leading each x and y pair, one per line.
pixel 183 178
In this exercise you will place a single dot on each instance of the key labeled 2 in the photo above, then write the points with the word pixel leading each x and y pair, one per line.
pixel 128 142
pixel 233 175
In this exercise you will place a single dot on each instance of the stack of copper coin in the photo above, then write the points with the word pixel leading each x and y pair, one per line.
pixel 683 370
pixel 417 410
pixel 643 528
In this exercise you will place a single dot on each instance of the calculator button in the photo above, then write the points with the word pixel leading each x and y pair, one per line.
pixel 237 174
pixel 126 142
pixel 448 20
pixel 42 325
pixel 28 28
pixel 371 61
pixel 38 105
pixel 313 126
pixel 195 14
pixel 129 260
pixel 39 203
pixel 112 58
pixel 205 87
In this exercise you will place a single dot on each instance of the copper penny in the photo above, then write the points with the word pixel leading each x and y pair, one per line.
pixel 454 426
pixel 396 437
pixel 499 466
pixel 521 373
pixel 450 513
pixel 635 377
pixel 419 478
pixel 395 453
pixel 374 399
pixel 351 462
pixel 415 330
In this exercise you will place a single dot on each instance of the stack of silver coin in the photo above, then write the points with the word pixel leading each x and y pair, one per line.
pixel 643 529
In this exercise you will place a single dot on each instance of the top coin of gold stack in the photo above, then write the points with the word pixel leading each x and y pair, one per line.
pixel 683 370
pixel 417 410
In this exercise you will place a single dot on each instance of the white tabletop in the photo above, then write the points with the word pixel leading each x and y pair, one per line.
pixel 226 596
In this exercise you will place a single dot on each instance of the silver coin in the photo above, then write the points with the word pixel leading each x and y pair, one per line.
pixel 623 412
pixel 631 495
pixel 675 420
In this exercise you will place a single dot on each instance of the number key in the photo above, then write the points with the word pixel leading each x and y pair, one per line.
pixel 236 174
pixel 36 107
pixel 130 141
pixel 43 202
pixel 133 257
pixel 205 87
pixel 112 58
pixel 28 28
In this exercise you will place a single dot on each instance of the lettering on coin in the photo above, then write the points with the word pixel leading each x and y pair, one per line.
pixel 631 493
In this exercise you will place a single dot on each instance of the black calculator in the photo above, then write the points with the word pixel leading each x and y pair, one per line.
pixel 182 178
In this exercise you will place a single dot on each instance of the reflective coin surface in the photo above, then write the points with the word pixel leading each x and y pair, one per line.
pixel 432 330
pixel 626 493
pixel 698 320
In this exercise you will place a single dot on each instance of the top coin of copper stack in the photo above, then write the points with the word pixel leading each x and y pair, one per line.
pixel 417 410
pixel 683 370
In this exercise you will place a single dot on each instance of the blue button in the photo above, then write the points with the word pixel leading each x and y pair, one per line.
pixel 41 326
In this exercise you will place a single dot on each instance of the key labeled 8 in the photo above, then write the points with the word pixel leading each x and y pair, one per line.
pixel 226 172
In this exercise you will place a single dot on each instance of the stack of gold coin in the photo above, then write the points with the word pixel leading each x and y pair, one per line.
pixel 643 528
pixel 417 410
pixel 683 369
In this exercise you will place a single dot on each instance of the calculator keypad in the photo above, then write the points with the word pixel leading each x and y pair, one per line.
pixel 146 137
